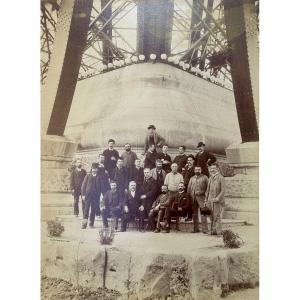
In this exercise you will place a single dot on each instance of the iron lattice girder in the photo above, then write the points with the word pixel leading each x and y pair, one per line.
pixel 241 25
pixel 155 22
pixel 47 36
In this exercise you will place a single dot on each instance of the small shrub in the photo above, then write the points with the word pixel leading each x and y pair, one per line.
pixel 231 239
pixel 55 228
pixel 106 235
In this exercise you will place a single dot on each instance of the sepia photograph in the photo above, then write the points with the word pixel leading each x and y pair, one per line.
pixel 149 182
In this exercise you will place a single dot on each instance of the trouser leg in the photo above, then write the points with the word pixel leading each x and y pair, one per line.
pixel 93 211
pixel 97 207
pixel 105 215
pixel 217 218
pixel 195 208
pixel 76 201
pixel 167 217
pixel 86 212
pixel 116 214
pixel 83 206
pixel 160 216
pixel 204 226
pixel 124 221
pixel 141 217
pixel 151 219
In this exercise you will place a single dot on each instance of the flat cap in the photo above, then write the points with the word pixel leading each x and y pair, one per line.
pixel 200 144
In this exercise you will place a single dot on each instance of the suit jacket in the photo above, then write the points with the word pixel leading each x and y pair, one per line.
pixel 87 186
pixel 197 187
pixel 154 174
pixel 133 203
pixel 166 157
pixel 137 176
pixel 187 174
pixel 110 163
pixel 216 189
pixel 120 176
pixel 181 200
pixel 150 159
pixel 113 199
pixel 158 141
pixel 180 160
pixel 164 200
pixel 76 179
pixel 104 179
pixel 148 188
pixel 204 159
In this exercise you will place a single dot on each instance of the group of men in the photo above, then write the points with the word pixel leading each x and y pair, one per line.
pixel 119 187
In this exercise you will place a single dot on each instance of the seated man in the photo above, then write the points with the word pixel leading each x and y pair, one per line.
pixel 111 205
pixel 180 204
pixel 161 209
pixel 131 210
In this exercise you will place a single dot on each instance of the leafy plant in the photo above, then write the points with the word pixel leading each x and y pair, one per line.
pixel 231 239
pixel 55 228
pixel 106 235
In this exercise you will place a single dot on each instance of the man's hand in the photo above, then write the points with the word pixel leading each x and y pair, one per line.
pixel 102 208
pixel 141 208
pixel 113 158
pixel 126 209
pixel 179 208
pixel 83 198
pixel 215 200
pixel 157 207
pixel 143 197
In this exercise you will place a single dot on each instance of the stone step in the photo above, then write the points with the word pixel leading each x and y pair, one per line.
pixel 184 226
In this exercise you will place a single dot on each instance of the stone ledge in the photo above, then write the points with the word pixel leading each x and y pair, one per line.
pixel 194 267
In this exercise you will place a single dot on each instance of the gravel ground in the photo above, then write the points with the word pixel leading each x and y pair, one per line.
pixel 58 289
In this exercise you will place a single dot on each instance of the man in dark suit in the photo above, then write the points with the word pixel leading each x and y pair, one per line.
pixel 111 156
pixel 137 174
pixel 181 158
pixel 204 159
pixel 159 175
pixel 112 205
pixel 120 176
pixel 147 192
pixel 76 180
pixel 91 191
pixel 153 138
pixel 150 157
pixel 180 204
pixel 104 179
pixel 165 159
pixel 131 210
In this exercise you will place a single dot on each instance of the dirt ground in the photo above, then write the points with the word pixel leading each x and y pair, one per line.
pixel 58 289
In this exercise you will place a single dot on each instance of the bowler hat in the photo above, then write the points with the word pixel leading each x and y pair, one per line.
pixel 151 127
pixel 111 140
pixel 200 144
pixel 205 211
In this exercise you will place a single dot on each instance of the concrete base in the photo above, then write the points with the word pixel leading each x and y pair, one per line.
pixel 152 266
pixel 242 189
pixel 57 154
